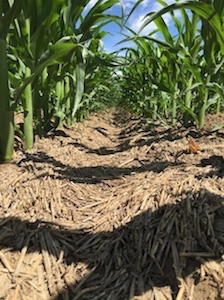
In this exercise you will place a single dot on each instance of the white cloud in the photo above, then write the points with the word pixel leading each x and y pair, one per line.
pixel 90 4
pixel 157 6
pixel 138 21
pixel 128 4
pixel 146 3
pixel 148 6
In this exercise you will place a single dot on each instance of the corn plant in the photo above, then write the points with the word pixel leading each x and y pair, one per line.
pixel 8 12
pixel 51 43
pixel 211 14
pixel 54 69
pixel 179 73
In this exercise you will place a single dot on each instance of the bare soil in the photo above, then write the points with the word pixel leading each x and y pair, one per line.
pixel 111 209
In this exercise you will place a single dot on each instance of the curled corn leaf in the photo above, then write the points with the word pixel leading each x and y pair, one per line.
pixel 193 146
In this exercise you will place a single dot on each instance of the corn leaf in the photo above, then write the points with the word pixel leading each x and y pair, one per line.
pixel 80 81
pixel 7 17
pixel 202 9
pixel 54 55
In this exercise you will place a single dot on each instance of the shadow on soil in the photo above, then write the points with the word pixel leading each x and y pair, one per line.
pixel 217 164
pixel 152 250
pixel 90 175
pixel 127 137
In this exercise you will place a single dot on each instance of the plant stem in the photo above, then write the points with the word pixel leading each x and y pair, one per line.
pixel 6 116
pixel 201 118
pixel 28 113
pixel 188 96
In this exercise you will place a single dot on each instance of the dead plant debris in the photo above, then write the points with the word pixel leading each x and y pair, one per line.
pixel 110 210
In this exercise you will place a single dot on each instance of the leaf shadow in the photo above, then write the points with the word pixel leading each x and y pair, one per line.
pixel 91 175
pixel 154 249
pixel 216 162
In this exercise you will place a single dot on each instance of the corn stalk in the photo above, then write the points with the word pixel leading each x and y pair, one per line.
pixel 7 15
pixel 168 68
pixel 211 13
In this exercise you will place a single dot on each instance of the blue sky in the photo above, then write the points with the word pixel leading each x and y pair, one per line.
pixel 135 21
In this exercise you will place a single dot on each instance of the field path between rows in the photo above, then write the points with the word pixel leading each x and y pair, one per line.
pixel 114 209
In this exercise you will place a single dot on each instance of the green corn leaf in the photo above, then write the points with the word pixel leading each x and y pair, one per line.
pixel 164 30
pixel 54 55
pixel 133 9
pixel 96 14
pixel 6 18
pixel 80 82
pixel 213 100
pixel 219 7
pixel 191 112
pixel 213 86
pixel 217 128
pixel 202 9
